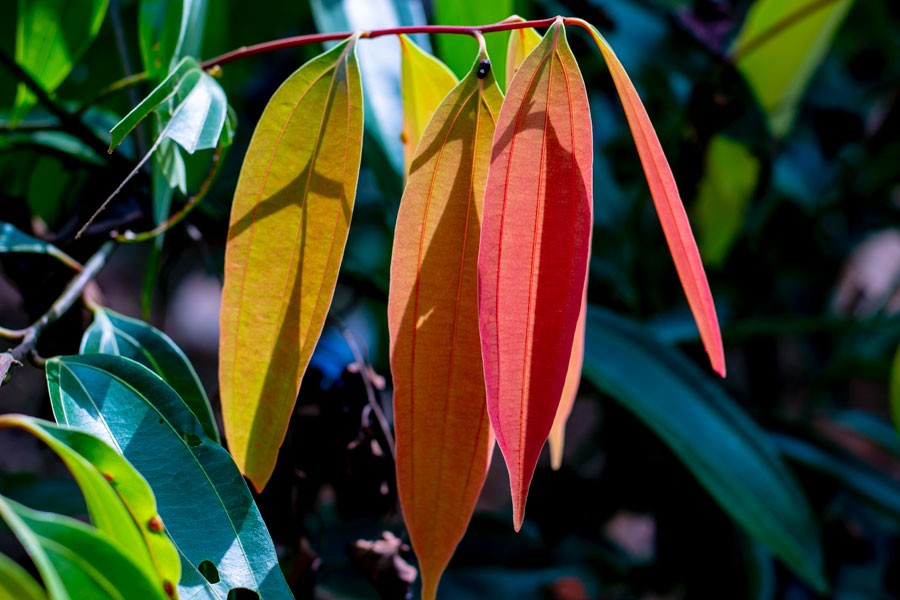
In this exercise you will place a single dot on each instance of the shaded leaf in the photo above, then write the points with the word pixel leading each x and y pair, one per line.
pixel 895 389
pixel 424 82
pixel 169 30
pixel 16 583
pixel 72 556
pixel 521 43
pixel 51 35
pixel 14 240
pixel 718 443
pixel 664 191
pixel 289 224
pixel 201 496
pixel 112 333
pixel 532 262
pixel 443 434
pixel 557 437
pixel 456 50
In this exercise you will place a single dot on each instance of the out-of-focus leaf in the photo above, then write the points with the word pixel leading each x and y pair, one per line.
pixel 73 557
pixel 119 501
pixel 557 438
pixel 895 389
pixel 202 498
pixel 112 333
pixel 672 216
pixel 521 43
pixel 169 30
pixel 778 49
pixel 16 583
pixel 728 183
pixel 51 35
pixel 289 224
pixel 457 50
pixel 57 141
pixel 875 429
pixel 14 240
pixel 424 82
pixel 728 454
pixel 444 438
pixel 533 256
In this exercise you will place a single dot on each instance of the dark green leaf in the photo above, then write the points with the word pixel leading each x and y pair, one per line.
pixel 15 240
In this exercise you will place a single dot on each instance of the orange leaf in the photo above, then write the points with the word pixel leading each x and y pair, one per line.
pixel 443 435
pixel 521 43
pixel 288 228
pixel 535 242
pixel 671 212
pixel 557 439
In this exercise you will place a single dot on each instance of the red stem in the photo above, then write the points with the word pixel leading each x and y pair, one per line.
pixel 315 38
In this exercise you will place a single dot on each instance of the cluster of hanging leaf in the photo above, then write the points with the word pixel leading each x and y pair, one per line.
pixel 486 308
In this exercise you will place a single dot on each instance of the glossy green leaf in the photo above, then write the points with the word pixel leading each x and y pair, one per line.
pixel 719 444
pixel 778 49
pixel 169 30
pixel 77 561
pixel 51 35
pixel 207 508
pixel 457 50
pixel 728 183
pixel 112 333
pixel 16 583
pixel 14 240
pixel 289 223
pixel 118 499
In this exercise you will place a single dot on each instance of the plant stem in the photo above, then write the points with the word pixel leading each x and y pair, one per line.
pixel 302 40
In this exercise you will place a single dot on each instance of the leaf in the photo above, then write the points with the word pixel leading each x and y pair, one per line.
pixel 557 438
pixel 112 333
pixel 16 583
pixel 119 500
pixel 778 49
pixel 424 82
pixel 289 224
pixel 51 36
pixel 532 262
pixel 205 504
pixel 443 434
pixel 455 50
pixel 728 183
pixel 70 556
pixel 169 30
pixel 16 241
pixel 895 389
pixel 671 213
pixel 521 43
pixel 718 443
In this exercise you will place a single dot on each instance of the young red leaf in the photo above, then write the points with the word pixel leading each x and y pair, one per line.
pixel 671 212
pixel 443 435
pixel 535 242
pixel 289 224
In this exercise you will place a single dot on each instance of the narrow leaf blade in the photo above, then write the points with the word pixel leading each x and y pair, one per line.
pixel 521 43
pixel 289 224
pixel 16 583
pixel 557 438
pixel 442 429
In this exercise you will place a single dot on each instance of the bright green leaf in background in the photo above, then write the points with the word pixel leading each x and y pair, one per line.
pixel 169 30
pixel 457 50
pixel 746 476
pixel 16 583
pixel 778 49
pixel 51 35
pixel 728 183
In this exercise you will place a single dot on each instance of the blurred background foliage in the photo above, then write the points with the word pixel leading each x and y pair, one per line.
pixel 786 162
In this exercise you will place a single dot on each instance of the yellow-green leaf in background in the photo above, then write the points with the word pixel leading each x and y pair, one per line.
pixel 521 43
pixel 778 49
pixel 424 81
pixel 728 183
pixel 51 35
pixel 289 224
pixel 16 583
pixel 457 50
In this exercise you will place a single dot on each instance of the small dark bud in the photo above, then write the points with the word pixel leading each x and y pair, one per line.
pixel 484 68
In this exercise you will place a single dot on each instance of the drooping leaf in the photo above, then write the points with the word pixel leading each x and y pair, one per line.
pixel 455 50
pixel 208 511
pixel 16 583
pixel 778 49
pixel 675 224
pixel 718 443
pixel 443 434
pixel 112 333
pixel 535 241
pixel 14 240
pixel 76 560
pixel 289 224
pixel 424 82
pixel 521 43
pixel 51 35
pixel 729 180
pixel 118 499
pixel 169 30
pixel 557 438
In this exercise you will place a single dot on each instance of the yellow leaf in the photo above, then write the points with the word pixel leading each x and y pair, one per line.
pixel 521 43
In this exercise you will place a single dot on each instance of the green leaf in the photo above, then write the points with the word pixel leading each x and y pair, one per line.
pixel 72 556
pixel 169 30
pixel 778 49
pixel 458 50
pixel 119 501
pixel 112 333
pixel 14 240
pixel 51 35
pixel 16 583
pixel 204 501
pixel 719 444
pixel 728 183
